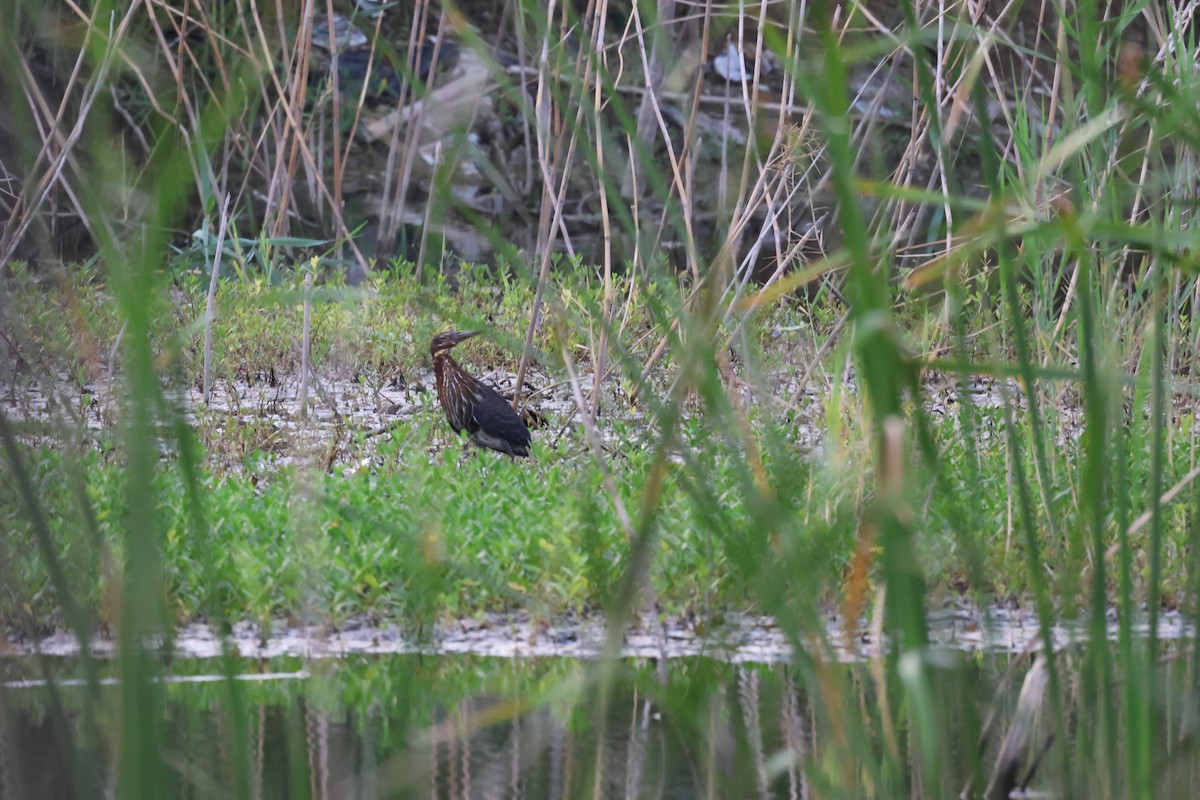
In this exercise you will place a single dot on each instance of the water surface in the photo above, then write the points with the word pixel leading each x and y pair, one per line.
pixel 434 726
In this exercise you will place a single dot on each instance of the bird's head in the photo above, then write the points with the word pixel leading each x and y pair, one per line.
pixel 445 341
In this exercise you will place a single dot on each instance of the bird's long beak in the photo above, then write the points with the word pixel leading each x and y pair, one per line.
pixel 462 336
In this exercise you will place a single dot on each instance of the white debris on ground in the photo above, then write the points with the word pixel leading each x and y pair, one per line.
pixel 961 627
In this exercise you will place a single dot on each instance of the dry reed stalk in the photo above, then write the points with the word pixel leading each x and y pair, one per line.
pixel 293 94
pixel 748 194
pixel 113 352
pixel 437 164
pixel 1005 778
pixel 543 110
pixel 290 135
pixel 552 202
pixel 336 84
pixel 519 25
pixel 592 435
pixel 360 104
pixel 778 200
pixel 743 208
pixel 718 101
pixel 306 346
pixel 601 350
pixel 690 143
pixel 192 131
pixel 210 305
pixel 714 277
pixel 777 154
pixel 653 80
pixel 16 228
pixel 395 195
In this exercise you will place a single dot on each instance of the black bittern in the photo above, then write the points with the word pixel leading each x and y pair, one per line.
pixel 472 405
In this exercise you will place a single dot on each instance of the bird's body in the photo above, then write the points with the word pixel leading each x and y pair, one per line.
pixel 472 405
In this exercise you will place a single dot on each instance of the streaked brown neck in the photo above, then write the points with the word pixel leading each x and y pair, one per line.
pixel 440 361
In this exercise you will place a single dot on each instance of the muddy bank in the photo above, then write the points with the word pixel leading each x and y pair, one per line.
pixel 343 417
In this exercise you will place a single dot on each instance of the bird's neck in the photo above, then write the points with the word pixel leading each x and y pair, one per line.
pixel 440 361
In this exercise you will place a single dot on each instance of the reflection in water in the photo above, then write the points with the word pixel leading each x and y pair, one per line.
pixel 457 728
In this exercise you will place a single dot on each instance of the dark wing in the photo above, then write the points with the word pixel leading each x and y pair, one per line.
pixel 494 424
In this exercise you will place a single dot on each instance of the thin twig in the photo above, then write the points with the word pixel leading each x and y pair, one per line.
pixel 210 305
pixel 595 443
pixel 1148 514
pixel 606 223
pixel 429 203
pixel 306 346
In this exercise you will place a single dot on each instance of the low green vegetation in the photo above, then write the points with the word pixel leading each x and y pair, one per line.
pixel 408 525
